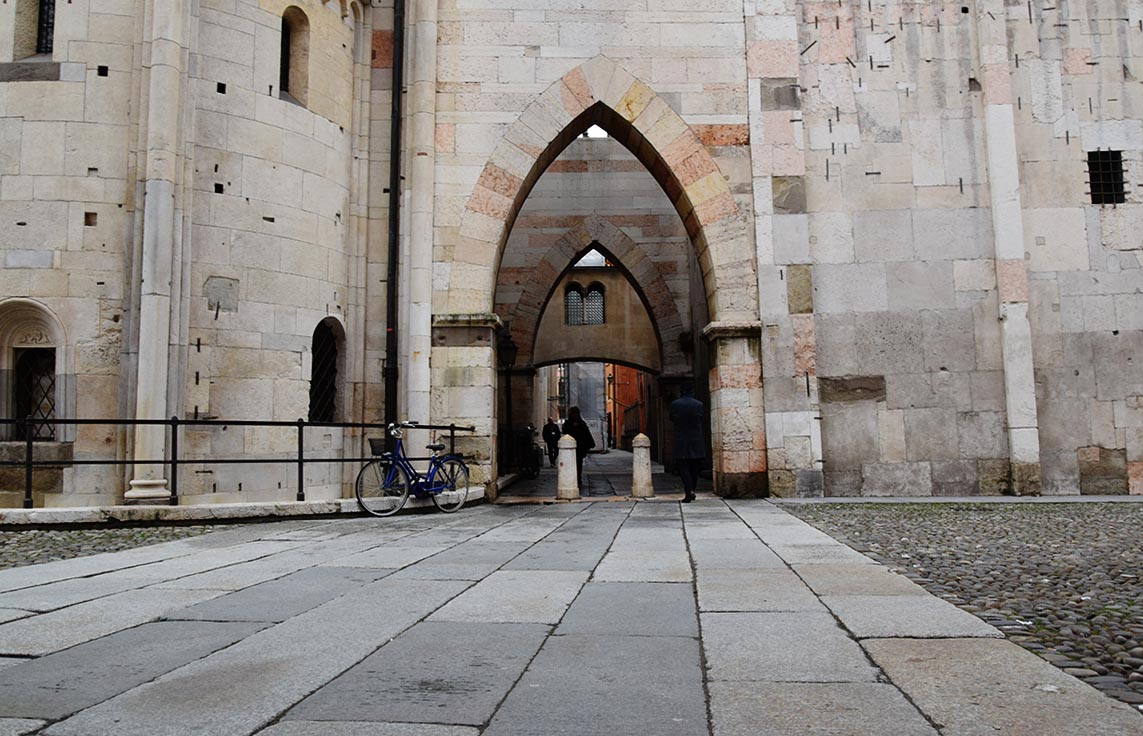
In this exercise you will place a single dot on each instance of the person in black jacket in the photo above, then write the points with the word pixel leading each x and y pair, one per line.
pixel 687 415
pixel 551 436
pixel 578 430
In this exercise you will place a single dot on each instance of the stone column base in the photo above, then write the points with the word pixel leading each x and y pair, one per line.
pixel 742 485
pixel 148 491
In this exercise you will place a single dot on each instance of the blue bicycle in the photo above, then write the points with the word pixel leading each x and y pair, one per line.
pixel 384 484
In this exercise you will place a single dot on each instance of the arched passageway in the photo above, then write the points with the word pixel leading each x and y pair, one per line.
pixel 717 264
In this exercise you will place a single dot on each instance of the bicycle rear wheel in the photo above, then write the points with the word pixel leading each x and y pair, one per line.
pixel 452 475
pixel 381 488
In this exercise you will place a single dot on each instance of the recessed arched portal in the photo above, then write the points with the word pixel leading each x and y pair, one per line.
pixel 602 93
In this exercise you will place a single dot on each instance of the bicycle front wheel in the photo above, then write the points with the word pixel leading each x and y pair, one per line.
pixel 452 477
pixel 381 488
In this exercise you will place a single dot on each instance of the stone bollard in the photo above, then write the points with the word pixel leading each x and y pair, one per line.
pixel 567 485
pixel 641 467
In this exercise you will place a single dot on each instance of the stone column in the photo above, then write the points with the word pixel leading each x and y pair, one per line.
pixel 567 485
pixel 1011 267
pixel 422 163
pixel 160 226
pixel 738 420
pixel 464 388
pixel 641 486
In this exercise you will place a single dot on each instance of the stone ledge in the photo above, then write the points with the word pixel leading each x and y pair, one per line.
pixel 200 512
pixel 717 330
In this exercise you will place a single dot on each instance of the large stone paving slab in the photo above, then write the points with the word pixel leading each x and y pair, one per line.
pixel 240 689
pixel 812 709
pixel 633 609
pixel 768 589
pixel 727 554
pixel 607 686
pixel 387 556
pixel 18 726
pixel 437 672
pixel 781 647
pixel 515 596
pixel 51 632
pixel 60 684
pixel 283 598
pixel 856 580
pixel 363 728
pixel 820 554
pixel 70 592
pixel 660 566
pixel 469 561
pixel 912 616
pixel 979 687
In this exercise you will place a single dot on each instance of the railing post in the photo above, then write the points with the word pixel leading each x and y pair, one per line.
pixel 301 460
pixel 174 461
pixel 27 424
pixel 452 438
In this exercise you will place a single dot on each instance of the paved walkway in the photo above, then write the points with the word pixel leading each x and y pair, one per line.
pixel 614 619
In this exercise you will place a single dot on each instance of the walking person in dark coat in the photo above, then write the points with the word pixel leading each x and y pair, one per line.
pixel 687 416
pixel 578 430
pixel 552 440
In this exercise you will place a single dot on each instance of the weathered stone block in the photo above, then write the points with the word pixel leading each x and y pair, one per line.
pixel 856 388
pixel 1102 472
pixel 799 289
pixel 896 479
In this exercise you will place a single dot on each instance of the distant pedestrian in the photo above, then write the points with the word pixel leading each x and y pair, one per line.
pixel 687 416
pixel 578 430
pixel 551 436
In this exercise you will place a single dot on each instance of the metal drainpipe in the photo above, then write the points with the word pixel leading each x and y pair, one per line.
pixel 395 151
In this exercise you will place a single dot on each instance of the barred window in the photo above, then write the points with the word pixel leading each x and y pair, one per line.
pixel 34 392
pixel 1105 171
pixel 573 305
pixel 323 374
pixel 46 27
pixel 593 313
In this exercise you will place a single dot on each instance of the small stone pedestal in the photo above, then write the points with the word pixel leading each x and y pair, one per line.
pixel 641 486
pixel 567 485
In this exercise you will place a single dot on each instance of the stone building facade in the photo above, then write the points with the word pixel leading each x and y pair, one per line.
pixel 895 242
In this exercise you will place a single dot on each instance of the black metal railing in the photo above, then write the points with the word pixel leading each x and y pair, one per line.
pixel 174 461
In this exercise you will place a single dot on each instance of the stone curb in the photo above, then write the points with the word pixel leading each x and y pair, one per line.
pixel 200 512
pixel 958 499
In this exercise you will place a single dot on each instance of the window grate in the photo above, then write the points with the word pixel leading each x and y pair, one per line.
pixel 1105 172
pixel 573 306
pixel 593 306
pixel 323 375
pixel 35 387
pixel 47 27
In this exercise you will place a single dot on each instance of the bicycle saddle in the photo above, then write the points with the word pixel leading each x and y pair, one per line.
pixel 437 447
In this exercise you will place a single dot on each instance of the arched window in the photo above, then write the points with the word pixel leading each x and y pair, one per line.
pixel 593 313
pixel 573 305
pixel 294 71
pixel 31 341
pixel 323 371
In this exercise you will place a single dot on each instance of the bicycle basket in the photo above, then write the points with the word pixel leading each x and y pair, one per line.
pixel 376 445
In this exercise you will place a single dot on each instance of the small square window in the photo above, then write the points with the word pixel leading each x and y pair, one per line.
pixel 90 219
pixel 1105 172
pixel 102 71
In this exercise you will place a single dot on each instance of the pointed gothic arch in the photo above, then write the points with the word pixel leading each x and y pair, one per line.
pixel 600 92
pixel 599 233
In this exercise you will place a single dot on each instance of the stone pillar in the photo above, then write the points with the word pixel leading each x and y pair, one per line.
pixel 1011 267
pixel 567 485
pixel 738 420
pixel 160 228
pixel 464 388
pixel 641 486
pixel 422 174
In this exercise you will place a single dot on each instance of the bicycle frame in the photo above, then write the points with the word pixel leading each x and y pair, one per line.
pixel 420 485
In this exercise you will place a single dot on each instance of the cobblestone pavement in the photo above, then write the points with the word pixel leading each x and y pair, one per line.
pixel 1063 580
pixel 31 546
